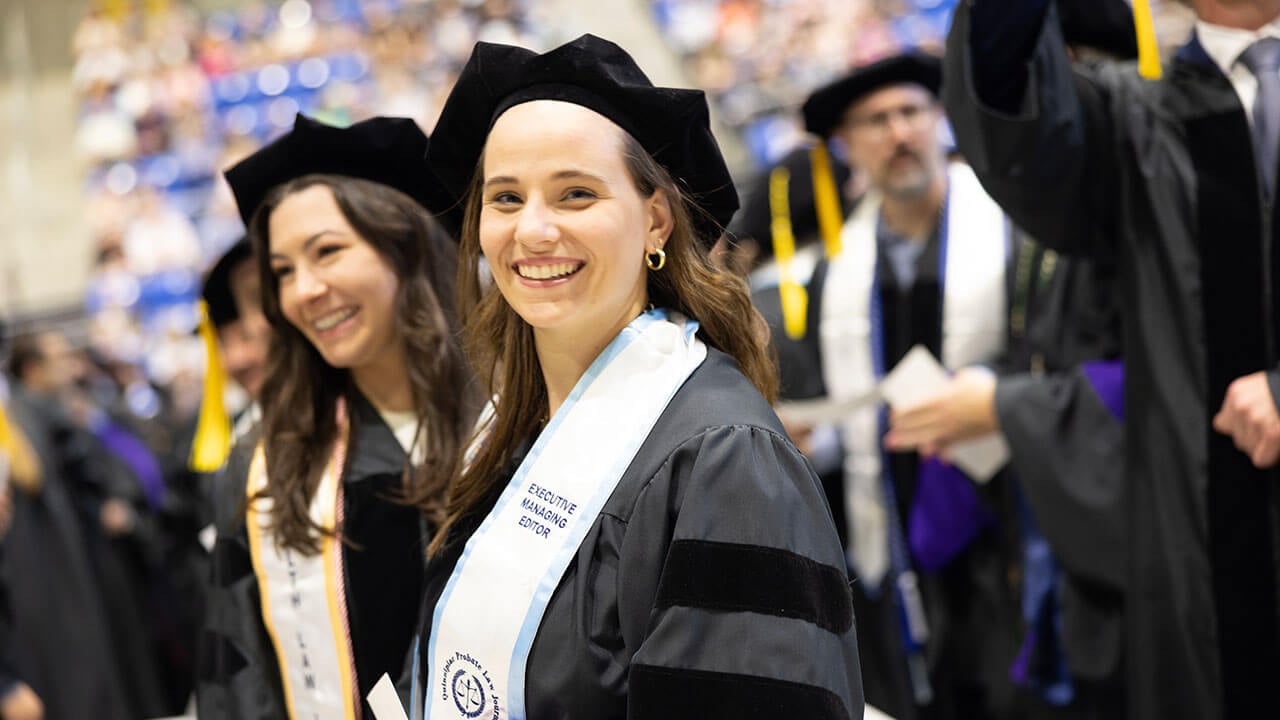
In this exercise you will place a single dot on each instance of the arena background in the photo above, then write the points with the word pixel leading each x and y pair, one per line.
pixel 116 115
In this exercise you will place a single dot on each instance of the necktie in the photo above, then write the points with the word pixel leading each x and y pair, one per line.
pixel 1263 60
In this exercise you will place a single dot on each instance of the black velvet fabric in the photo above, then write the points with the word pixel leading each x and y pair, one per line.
pixel 1105 25
pixel 825 108
pixel 671 123
pixel 670 694
pixel 1234 273
pixel 216 290
pixel 380 149
pixel 771 581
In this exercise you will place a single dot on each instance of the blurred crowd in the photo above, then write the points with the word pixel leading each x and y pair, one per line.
pixel 757 59
pixel 168 97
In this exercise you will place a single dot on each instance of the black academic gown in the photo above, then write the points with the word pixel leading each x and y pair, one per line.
pixel 970 604
pixel 1165 172
pixel 710 587
pixel 128 567
pixel 971 609
pixel 800 365
pixel 239 675
pixel 61 644
pixel 1067 454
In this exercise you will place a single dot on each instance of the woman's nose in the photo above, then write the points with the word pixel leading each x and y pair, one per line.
pixel 536 224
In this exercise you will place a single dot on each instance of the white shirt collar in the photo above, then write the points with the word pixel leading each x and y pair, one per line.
pixel 1225 44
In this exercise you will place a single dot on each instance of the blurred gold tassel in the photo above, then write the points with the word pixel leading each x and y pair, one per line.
pixel 826 200
pixel 24 466
pixel 212 442
pixel 794 299
pixel 1148 49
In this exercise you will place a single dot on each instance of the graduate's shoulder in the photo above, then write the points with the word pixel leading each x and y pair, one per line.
pixel 716 394
pixel 231 481
pixel 716 420
pixel 1128 96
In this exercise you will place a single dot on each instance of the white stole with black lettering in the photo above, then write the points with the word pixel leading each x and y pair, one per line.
pixel 489 612
pixel 973 330
pixel 304 598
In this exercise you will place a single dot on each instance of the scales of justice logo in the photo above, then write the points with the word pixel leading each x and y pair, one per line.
pixel 470 688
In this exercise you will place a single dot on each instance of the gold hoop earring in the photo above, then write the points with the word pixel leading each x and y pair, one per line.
pixel 655 265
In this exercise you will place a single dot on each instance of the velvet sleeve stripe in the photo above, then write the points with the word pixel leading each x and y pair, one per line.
pixel 660 693
pixel 751 578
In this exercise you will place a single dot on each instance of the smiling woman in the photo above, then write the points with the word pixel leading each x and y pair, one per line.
pixel 337 289
pixel 566 234
pixel 597 560
pixel 366 401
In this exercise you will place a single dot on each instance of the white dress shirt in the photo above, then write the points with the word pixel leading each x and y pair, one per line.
pixel 1225 46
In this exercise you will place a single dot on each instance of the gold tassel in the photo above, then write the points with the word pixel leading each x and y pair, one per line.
pixel 826 200
pixel 1148 49
pixel 212 442
pixel 24 466
pixel 792 295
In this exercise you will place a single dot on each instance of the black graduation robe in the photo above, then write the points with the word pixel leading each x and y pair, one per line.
pixel 128 567
pixel 1165 171
pixel 970 604
pixel 239 674
pixel 1067 453
pixel 800 366
pixel 711 586
pixel 61 642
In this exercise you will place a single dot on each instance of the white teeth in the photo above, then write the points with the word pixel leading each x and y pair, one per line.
pixel 330 321
pixel 547 272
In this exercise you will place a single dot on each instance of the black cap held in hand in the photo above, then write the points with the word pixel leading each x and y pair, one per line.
pixel 382 149
pixel 672 124
pixel 1105 25
pixel 825 108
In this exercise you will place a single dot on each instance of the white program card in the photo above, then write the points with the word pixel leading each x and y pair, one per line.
pixel 384 701
pixel 918 378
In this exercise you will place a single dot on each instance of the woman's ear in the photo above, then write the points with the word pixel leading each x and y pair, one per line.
pixel 661 220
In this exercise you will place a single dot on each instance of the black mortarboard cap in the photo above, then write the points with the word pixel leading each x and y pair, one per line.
pixel 216 290
pixel 755 220
pixel 672 124
pixel 381 149
pixel 825 108
pixel 1105 25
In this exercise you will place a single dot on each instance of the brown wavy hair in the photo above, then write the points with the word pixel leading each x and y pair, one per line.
pixel 300 390
pixel 500 344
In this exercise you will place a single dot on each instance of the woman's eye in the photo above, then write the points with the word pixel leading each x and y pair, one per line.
pixel 326 250
pixel 505 198
pixel 281 271
pixel 579 194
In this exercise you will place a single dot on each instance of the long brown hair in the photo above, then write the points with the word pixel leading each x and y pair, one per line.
pixel 501 348
pixel 300 391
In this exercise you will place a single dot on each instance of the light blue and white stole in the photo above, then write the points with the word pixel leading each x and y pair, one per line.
pixel 486 619
pixel 973 330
